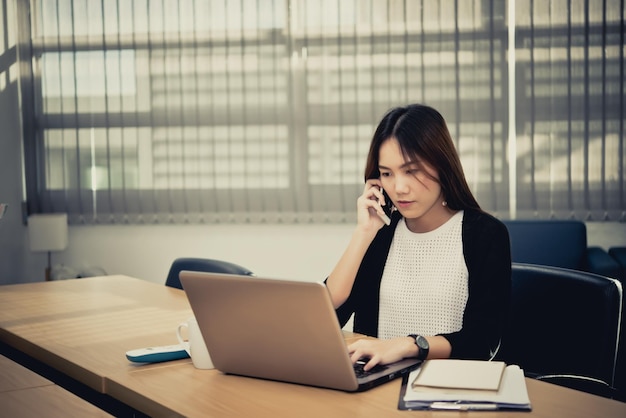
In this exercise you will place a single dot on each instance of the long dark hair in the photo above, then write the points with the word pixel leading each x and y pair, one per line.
pixel 423 134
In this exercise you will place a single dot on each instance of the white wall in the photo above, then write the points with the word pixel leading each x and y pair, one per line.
pixel 303 252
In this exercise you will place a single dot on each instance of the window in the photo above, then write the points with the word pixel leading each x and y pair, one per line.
pixel 262 110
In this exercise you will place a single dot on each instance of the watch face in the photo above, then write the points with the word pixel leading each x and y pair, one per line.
pixel 421 342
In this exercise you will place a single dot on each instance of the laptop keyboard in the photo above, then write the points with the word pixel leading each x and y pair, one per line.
pixel 360 373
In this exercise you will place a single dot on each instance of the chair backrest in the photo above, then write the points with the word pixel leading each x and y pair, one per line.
pixel 559 243
pixel 563 322
pixel 202 264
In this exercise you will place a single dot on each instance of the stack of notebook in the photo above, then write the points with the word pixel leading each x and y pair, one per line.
pixel 465 385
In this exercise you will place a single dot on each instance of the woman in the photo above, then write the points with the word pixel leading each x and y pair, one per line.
pixel 435 283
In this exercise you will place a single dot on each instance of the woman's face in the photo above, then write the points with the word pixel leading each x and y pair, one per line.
pixel 413 188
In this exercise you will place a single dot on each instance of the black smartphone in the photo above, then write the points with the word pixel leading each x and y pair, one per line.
pixel 386 208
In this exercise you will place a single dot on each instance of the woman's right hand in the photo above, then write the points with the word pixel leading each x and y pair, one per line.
pixel 369 206
pixel 341 279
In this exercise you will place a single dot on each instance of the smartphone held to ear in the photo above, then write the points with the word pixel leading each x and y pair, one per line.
pixel 386 216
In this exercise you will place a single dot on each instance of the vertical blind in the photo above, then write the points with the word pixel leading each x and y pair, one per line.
pixel 570 109
pixel 262 110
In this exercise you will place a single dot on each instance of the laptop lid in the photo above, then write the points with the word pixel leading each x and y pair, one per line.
pixel 276 329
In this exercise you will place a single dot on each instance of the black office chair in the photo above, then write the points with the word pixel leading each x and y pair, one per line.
pixel 564 327
pixel 202 264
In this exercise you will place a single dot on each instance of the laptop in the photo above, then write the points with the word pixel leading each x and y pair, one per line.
pixel 277 329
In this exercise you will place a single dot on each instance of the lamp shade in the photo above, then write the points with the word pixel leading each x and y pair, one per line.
pixel 48 232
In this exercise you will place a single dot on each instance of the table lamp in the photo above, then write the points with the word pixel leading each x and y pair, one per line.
pixel 48 232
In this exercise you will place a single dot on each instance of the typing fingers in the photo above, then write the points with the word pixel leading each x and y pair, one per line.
pixel 364 352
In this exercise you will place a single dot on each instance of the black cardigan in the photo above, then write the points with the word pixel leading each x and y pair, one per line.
pixel 487 254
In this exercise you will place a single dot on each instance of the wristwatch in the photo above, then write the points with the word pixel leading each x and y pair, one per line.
pixel 422 345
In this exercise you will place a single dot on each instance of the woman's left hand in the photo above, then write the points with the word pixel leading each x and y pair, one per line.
pixel 382 351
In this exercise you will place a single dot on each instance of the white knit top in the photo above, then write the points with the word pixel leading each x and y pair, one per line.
pixel 424 287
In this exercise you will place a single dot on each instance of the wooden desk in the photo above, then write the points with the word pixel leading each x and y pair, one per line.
pixel 182 390
pixel 83 328
pixel 47 401
pixel 15 377
pixel 24 393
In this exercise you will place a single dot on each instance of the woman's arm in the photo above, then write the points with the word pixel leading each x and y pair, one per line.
pixel 341 279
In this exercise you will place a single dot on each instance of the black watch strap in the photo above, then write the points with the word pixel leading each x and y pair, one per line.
pixel 422 346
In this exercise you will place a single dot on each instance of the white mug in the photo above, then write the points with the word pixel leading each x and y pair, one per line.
pixel 195 346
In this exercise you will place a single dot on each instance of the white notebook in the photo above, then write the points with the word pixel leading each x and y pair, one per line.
pixel 460 374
